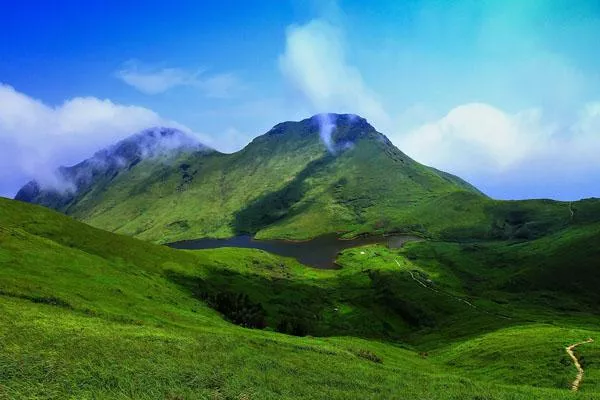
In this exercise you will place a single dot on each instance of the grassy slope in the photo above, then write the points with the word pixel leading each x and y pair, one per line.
pixel 86 313
pixel 50 353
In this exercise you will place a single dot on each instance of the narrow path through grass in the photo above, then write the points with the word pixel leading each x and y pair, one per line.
pixel 577 382
pixel 571 210
pixel 427 285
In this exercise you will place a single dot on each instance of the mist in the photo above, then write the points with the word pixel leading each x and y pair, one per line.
pixel 36 138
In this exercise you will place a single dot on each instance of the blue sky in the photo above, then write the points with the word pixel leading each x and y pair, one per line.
pixel 503 93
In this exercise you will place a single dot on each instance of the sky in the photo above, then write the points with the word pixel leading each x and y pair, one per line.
pixel 503 93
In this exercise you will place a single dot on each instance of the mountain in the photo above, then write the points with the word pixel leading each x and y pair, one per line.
pixel 298 180
pixel 104 166
pixel 86 313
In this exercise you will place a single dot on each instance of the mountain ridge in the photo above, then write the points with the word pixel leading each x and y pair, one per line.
pixel 324 174
pixel 108 162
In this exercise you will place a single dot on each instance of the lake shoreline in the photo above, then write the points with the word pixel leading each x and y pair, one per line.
pixel 320 252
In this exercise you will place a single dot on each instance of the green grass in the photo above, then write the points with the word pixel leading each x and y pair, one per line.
pixel 51 353
pixel 89 314
pixel 524 355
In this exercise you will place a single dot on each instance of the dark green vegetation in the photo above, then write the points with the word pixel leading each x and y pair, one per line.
pixel 89 314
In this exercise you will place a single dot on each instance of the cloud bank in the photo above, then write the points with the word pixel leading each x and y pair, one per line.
pixel 36 138
pixel 153 81
pixel 527 150
pixel 477 134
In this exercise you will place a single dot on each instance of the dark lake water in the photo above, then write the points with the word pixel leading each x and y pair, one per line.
pixel 319 252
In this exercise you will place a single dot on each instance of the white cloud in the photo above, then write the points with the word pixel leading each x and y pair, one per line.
pixel 36 138
pixel 477 135
pixel 314 62
pixel 484 143
pixel 156 81
pixel 151 81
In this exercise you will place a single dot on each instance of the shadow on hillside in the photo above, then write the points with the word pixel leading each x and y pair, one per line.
pixel 253 301
pixel 543 280
pixel 369 304
pixel 293 307
pixel 272 207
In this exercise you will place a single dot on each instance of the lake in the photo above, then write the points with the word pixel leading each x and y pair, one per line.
pixel 319 252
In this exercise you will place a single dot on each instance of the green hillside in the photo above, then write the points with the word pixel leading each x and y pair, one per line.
pixel 284 184
pixel 89 314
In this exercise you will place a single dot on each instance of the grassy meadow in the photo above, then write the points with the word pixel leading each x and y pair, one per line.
pixel 87 314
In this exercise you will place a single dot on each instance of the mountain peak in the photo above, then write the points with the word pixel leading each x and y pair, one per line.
pixel 108 162
pixel 333 168
pixel 338 132
pixel 342 120
pixel 317 120
pixel 151 142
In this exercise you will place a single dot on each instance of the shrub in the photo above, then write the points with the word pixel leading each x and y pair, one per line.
pixel 293 326
pixel 238 308
pixel 368 355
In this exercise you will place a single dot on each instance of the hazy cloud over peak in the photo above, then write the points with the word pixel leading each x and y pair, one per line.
pixel 37 138
pixel 314 62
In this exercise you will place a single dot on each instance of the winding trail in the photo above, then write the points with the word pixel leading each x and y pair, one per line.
pixel 571 210
pixel 417 280
pixel 428 286
pixel 577 382
pixel 569 349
